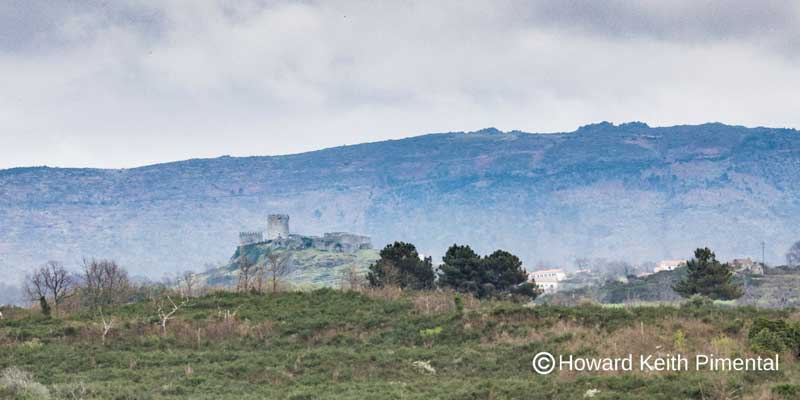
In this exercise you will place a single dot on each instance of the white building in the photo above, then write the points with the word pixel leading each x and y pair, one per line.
pixel 547 279
pixel 747 265
pixel 669 265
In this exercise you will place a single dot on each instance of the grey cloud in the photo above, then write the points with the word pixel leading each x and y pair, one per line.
pixel 26 24
pixel 122 83
pixel 42 25
pixel 672 20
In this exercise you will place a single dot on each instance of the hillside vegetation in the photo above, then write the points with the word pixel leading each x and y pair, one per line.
pixel 778 288
pixel 309 267
pixel 382 344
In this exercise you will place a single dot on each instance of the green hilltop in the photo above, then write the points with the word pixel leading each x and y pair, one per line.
pixel 309 266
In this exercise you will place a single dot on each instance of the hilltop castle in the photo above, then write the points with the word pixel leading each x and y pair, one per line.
pixel 278 235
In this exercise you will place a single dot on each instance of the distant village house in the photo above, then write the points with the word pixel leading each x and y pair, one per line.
pixel 747 266
pixel 548 279
pixel 669 265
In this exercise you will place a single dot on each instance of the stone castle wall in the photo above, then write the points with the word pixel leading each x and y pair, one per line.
pixel 246 238
pixel 278 235
pixel 343 242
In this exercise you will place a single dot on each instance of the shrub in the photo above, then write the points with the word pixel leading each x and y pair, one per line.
pixel 459 303
pixel 527 291
pixel 21 385
pixel 767 341
pixel 787 391
pixel 33 344
pixel 679 341
pixel 724 345
pixel 429 334
pixel 732 327
pixel 70 331
pixel 698 301
pixel 772 335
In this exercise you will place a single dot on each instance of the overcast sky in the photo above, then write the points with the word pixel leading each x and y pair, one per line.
pixel 124 83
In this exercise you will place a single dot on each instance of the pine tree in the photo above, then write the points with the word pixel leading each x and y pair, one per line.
pixel 708 277
pixel 400 265
pixel 498 273
pixel 461 269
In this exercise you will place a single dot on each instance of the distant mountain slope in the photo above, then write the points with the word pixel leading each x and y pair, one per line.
pixel 620 192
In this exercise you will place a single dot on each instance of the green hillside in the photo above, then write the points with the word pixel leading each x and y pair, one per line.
pixel 309 266
pixel 386 344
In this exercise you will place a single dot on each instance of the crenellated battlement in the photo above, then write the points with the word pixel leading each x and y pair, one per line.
pixel 246 238
pixel 278 235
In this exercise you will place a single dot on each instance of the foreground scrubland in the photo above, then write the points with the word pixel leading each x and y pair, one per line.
pixel 382 344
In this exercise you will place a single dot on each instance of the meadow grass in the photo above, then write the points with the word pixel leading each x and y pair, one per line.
pixel 378 344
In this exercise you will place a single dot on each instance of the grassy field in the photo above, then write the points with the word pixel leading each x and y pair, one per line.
pixel 384 344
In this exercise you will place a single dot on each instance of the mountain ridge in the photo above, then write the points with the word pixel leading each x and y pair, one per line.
pixel 550 197
pixel 487 130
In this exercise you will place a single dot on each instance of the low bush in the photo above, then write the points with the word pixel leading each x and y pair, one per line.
pixel 776 336
pixel 787 391
pixel 20 384
pixel 767 341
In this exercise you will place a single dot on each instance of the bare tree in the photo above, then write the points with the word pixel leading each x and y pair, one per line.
pixel 50 282
pixel 104 283
pixel 260 279
pixel 793 255
pixel 108 324
pixel 164 315
pixel 278 266
pixel 247 270
pixel 188 280
pixel 352 279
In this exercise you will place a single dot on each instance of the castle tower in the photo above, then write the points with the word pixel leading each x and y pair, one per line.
pixel 277 226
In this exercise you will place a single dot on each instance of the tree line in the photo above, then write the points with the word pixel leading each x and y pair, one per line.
pixel 499 274
pixel 99 283
pixel 102 283
pixel 258 277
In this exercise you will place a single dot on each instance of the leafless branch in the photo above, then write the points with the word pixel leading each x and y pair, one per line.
pixel 278 267
pixel 163 315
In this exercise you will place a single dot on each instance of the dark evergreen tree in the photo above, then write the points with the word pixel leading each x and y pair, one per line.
pixel 498 273
pixel 401 266
pixel 503 271
pixel 527 290
pixel 708 277
pixel 461 269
